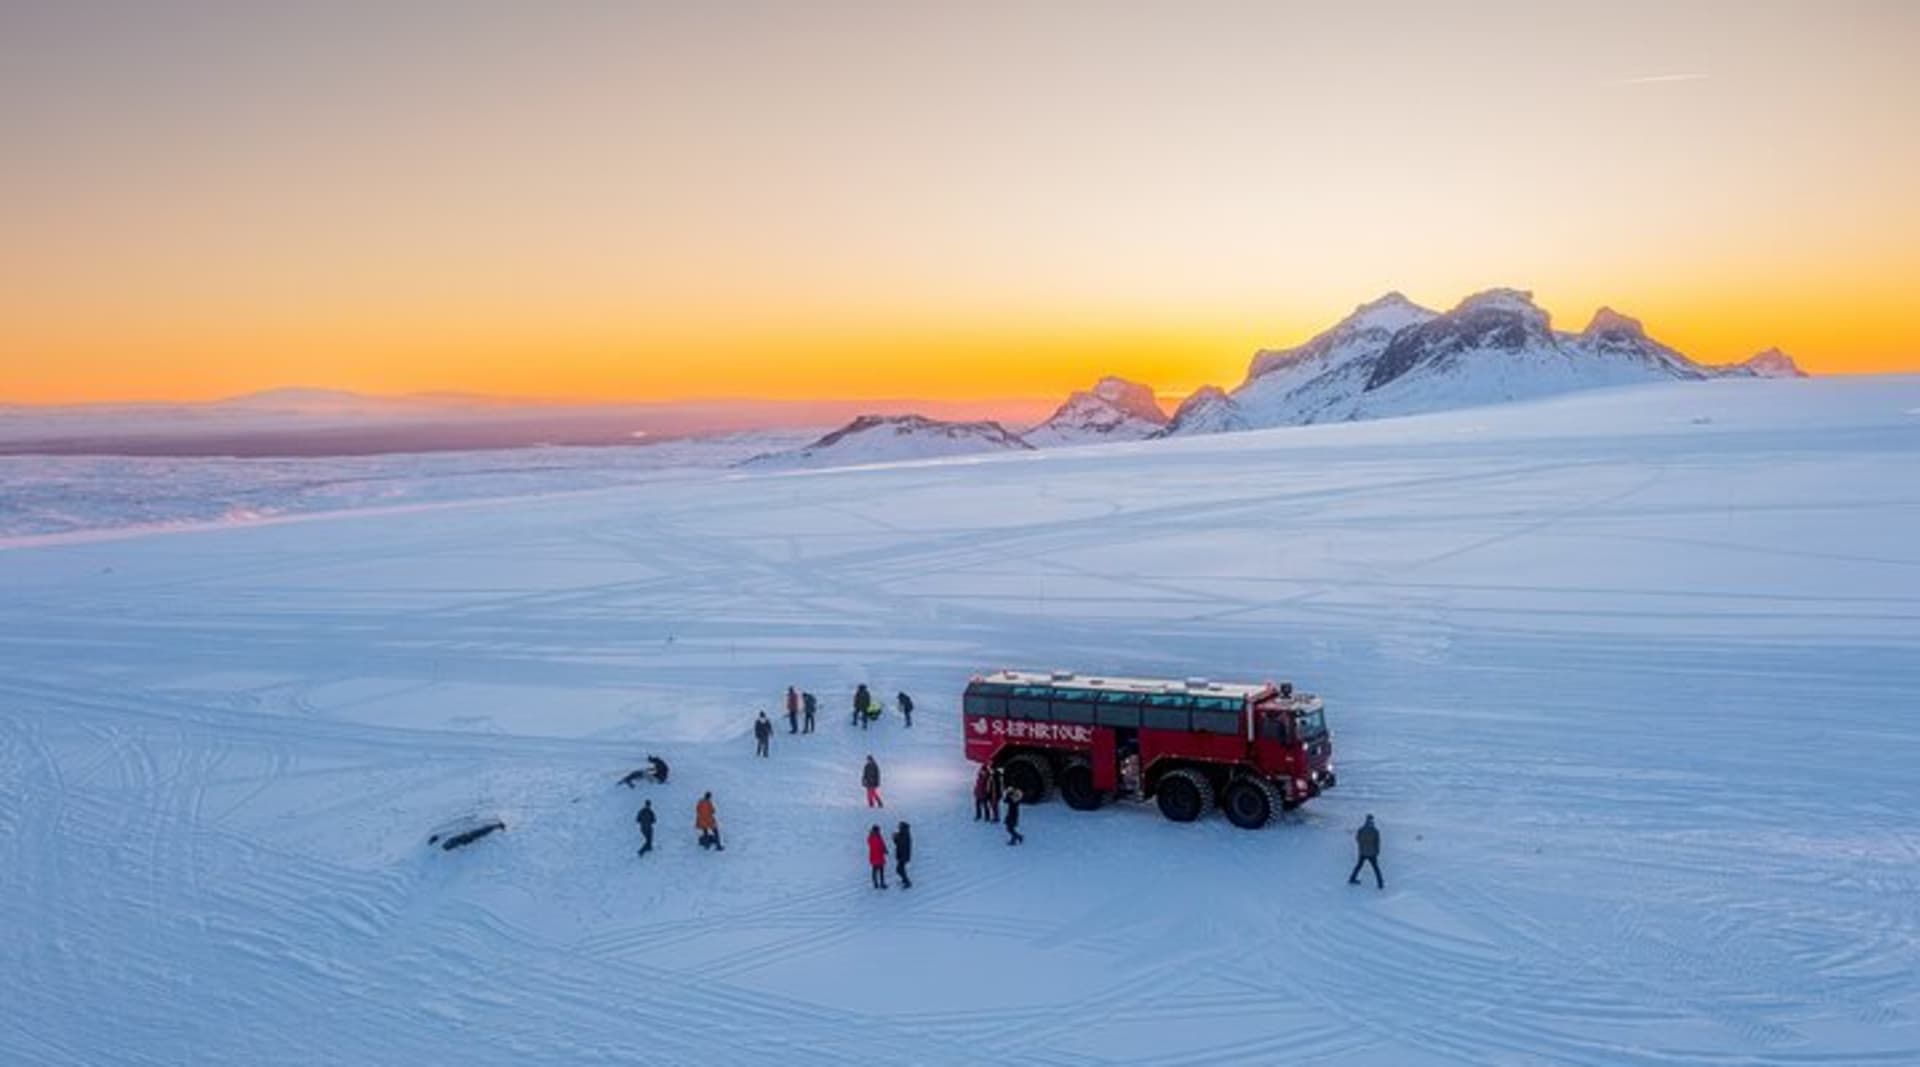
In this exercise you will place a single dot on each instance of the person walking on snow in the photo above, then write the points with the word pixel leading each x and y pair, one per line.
pixel 982 789
pixel 807 707
pixel 645 819
pixel 996 788
pixel 870 779
pixel 1368 838
pixel 762 733
pixel 862 703
pixel 1014 836
pixel 793 710
pixel 902 853
pixel 906 707
pixel 705 821
pixel 877 857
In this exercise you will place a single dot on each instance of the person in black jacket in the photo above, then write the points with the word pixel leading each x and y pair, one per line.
pixel 645 819
pixel 902 852
pixel 808 705
pixel 1014 836
pixel 996 788
pixel 862 703
pixel 762 733
pixel 870 780
pixel 1368 839
pixel 906 707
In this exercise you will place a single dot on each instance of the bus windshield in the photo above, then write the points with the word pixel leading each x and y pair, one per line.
pixel 1309 725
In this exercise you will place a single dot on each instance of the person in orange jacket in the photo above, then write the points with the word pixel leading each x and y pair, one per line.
pixel 705 821
pixel 877 857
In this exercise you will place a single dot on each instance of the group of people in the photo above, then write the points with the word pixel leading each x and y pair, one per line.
pixel 990 792
pixel 993 800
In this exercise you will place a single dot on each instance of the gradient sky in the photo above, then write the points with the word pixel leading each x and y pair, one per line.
pixel 884 199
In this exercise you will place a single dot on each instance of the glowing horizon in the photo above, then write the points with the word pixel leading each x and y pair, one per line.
pixel 849 201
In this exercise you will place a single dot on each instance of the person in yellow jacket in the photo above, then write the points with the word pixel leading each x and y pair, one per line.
pixel 705 821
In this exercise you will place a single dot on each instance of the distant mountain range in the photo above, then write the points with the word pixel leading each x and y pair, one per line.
pixel 1389 357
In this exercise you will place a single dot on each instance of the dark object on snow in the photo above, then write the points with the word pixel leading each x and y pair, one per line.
pixel 449 841
pixel 862 706
pixel 762 733
pixel 1368 840
pixel 646 819
pixel 996 788
pixel 870 779
pixel 903 854
pixel 655 771
pixel 808 705
pixel 906 706
pixel 1014 836
pixel 982 793
pixel 793 710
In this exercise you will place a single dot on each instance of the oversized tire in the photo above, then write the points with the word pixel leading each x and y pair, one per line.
pixel 1032 775
pixel 1184 795
pixel 1251 803
pixel 1077 788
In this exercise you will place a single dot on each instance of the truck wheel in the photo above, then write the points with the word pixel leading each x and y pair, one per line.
pixel 1251 802
pixel 1184 795
pixel 1076 787
pixel 1032 775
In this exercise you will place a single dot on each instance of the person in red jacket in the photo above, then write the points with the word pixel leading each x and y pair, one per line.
pixel 982 789
pixel 793 710
pixel 877 857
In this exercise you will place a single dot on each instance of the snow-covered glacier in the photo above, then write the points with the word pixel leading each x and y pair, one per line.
pixel 1627 677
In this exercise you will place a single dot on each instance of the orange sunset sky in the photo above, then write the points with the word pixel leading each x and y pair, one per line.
pixel 815 200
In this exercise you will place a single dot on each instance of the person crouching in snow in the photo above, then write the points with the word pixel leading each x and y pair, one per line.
pixel 870 778
pixel 877 857
pixel 705 821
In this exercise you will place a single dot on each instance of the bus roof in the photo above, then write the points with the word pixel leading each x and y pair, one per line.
pixel 1070 680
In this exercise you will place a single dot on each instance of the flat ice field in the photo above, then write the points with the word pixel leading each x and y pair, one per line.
pixel 1631 681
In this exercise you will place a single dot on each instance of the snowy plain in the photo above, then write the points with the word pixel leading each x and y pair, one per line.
pixel 1629 679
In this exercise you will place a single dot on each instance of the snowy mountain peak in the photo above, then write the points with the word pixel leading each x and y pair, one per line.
pixel 1208 410
pixel 1392 312
pixel 1115 409
pixel 1369 326
pixel 893 438
pixel 1509 301
pixel 1610 323
pixel 1772 363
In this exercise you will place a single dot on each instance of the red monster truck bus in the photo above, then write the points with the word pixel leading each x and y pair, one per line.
pixel 1259 749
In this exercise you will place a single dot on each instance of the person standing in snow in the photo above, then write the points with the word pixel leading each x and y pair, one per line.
pixel 1014 836
pixel 996 788
pixel 902 853
pixel 906 707
pixel 708 823
pixel 870 779
pixel 762 733
pixel 877 857
pixel 1368 839
pixel 862 703
pixel 645 819
pixel 793 710
pixel 982 789
pixel 808 705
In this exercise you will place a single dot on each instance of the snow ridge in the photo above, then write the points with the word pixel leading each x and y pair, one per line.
pixel 895 438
